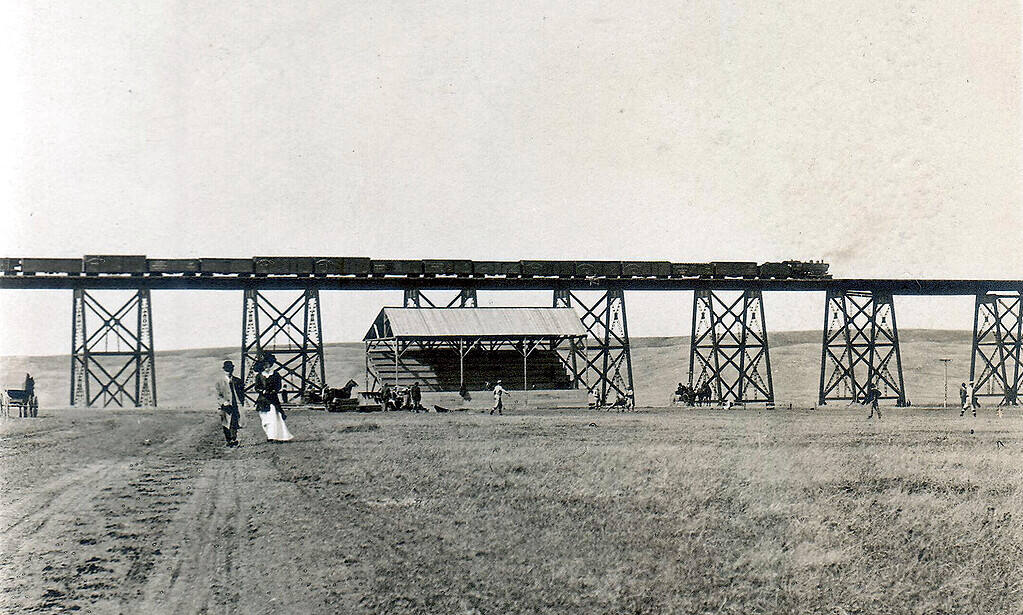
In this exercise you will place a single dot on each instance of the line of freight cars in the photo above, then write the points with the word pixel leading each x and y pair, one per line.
pixel 366 267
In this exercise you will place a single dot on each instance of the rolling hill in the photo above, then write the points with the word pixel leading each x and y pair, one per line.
pixel 184 376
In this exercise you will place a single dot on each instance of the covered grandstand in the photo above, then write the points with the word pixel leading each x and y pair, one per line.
pixel 448 349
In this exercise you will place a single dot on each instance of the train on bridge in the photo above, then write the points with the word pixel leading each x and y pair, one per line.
pixel 363 267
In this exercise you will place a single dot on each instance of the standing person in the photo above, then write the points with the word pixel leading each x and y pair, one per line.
pixel 229 396
pixel 417 396
pixel 873 395
pixel 268 404
pixel 971 396
pixel 964 397
pixel 499 393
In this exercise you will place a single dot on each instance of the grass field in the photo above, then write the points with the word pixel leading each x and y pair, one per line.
pixel 661 511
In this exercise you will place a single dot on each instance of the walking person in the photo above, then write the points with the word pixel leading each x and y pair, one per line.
pixel 268 403
pixel 499 393
pixel 229 396
pixel 964 397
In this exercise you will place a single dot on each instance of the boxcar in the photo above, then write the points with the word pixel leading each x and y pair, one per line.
pixel 51 265
pixel 241 266
pixel 735 269
pixel 496 268
pixel 342 265
pixel 565 269
pixel 600 269
pixel 283 265
pixel 646 269
pixel 775 270
pixel 447 267
pixel 692 270
pixel 398 267
pixel 9 265
pixel 174 265
pixel 115 263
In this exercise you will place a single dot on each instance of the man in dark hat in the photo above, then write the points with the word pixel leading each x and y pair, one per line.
pixel 230 396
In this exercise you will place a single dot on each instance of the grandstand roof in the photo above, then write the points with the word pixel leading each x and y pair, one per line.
pixel 497 322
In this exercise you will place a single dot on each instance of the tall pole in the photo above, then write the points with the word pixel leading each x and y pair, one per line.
pixel 946 362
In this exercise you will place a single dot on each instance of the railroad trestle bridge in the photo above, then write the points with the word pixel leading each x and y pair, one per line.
pixel 729 346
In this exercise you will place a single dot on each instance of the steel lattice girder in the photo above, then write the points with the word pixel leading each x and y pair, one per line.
pixel 123 376
pixel 292 334
pixel 599 363
pixel 861 339
pixel 997 341
pixel 729 345
pixel 415 297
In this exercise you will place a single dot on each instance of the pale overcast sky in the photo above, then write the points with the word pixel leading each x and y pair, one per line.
pixel 883 137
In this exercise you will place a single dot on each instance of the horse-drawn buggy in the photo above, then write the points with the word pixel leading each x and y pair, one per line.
pixel 335 400
pixel 24 399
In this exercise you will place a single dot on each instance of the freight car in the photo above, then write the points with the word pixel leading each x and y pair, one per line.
pixel 646 269
pixel 343 265
pixel 94 264
pixel 511 269
pixel 174 265
pixel 411 268
pixel 226 266
pixel 735 269
pixel 447 267
pixel 692 270
pixel 283 265
pixel 32 266
pixel 541 269
pixel 598 269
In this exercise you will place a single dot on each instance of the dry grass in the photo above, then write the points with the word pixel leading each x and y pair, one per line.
pixel 671 512
pixel 662 511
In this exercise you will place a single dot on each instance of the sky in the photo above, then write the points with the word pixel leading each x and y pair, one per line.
pixel 883 137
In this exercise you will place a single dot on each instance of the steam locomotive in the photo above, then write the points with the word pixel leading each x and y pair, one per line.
pixel 307 266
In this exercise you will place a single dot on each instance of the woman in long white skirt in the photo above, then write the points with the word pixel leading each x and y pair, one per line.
pixel 268 403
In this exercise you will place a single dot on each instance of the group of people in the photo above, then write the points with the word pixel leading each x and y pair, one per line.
pixel 688 395
pixel 393 398
pixel 624 400
pixel 402 398
pixel 231 397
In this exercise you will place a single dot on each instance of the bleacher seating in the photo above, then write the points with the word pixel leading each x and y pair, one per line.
pixel 437 370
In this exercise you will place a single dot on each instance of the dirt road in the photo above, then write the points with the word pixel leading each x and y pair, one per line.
pixel 143 512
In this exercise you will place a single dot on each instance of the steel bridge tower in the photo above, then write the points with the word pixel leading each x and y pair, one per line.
pixel 604 362
pixel 997 341
pixel 860 346
pixel 292 334
pixel 729 347
pixel 122 375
